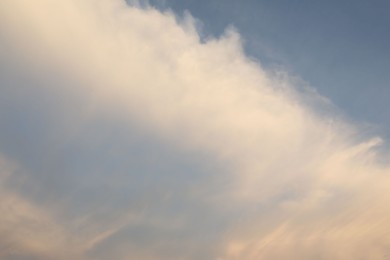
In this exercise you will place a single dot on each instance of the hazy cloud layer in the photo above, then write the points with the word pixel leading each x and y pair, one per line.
pixel 125 136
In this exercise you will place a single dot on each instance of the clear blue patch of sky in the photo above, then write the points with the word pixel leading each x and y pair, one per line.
pixel 338 47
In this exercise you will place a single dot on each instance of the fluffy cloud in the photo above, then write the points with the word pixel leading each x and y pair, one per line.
pixel 138 140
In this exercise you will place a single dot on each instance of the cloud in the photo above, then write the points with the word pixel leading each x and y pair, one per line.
pixel 139 140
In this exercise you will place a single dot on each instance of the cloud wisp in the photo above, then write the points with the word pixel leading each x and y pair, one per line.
pixel 127 137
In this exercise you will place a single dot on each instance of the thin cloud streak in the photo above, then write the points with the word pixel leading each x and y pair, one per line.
pixel 285 181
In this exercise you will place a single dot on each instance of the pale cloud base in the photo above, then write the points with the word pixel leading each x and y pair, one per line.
pixel 277 178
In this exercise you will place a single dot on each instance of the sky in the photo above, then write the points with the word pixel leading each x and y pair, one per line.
pixel 337 47
pixel 194 130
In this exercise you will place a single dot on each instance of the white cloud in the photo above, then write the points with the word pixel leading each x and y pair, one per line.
pixel 293 184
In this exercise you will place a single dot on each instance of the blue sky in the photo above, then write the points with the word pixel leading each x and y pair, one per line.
pixel 140 131
pixel 340 48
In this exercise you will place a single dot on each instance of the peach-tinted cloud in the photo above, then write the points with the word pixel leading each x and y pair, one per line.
pixel 292 183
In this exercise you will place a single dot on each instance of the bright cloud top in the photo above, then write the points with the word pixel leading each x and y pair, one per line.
pixel 127 137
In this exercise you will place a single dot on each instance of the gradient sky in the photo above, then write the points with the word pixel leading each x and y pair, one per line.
pixel 233 130
pixel 338 47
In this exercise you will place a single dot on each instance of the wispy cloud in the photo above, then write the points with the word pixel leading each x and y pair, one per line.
pixel 135 139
